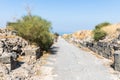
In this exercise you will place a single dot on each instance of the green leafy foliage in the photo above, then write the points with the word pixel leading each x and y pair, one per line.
pixel 35 30
pixel 98 33
pixel 101 25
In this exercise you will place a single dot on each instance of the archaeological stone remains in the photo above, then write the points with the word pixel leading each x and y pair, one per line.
pixel 117 60
pixel 12 46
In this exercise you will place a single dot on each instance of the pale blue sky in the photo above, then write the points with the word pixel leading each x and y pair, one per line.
pixel 66 15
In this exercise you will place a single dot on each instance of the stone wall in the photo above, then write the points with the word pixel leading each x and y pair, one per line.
pixel 12 46
pixel 107 49
pixel 102 48
pixel 117 60
pixel 29 51
pixel 18 59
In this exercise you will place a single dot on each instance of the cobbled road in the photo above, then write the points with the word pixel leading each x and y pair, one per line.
pixel 72 63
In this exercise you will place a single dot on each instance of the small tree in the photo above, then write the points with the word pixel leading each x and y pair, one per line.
pixel 99 26
pixel 35 30
pixel 98 33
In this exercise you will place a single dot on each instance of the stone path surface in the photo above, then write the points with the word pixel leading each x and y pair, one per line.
pixel 69 62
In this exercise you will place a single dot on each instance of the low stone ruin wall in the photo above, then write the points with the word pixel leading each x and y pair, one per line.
pixel 29 51
pixel 105 49
pixel 109 50
pixel 13 47
pixel 116 64
pixel 18 60
pixel 102 48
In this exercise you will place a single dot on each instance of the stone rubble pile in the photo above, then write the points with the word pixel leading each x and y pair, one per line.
pixel 18 60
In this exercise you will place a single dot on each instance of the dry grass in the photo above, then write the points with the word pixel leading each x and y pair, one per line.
pixel 112 31
pixel 111 28
pixel 3 37
pixel 82 34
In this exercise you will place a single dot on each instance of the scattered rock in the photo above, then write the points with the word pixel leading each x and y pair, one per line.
pixel 18 60
pixel 117 60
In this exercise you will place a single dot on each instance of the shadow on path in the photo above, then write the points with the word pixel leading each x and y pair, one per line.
pixel 54 50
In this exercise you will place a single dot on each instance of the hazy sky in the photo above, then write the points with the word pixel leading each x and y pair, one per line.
pixel 65 15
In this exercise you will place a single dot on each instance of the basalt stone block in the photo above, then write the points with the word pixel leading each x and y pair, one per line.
pixel 5 59
pixel 107 53
pixel 32 52
pixel 117 60
pixel 1 51
pixel 89 44
pixel 100 44
pixel 116 47
pixel 14 63
pixel 119 37
pixel 9 59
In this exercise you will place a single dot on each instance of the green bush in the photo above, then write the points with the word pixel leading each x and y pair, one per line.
pixel 35 30
pixel 101 25
pixel 99 35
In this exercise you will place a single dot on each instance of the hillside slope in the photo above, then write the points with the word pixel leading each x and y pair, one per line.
pixel 112 31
